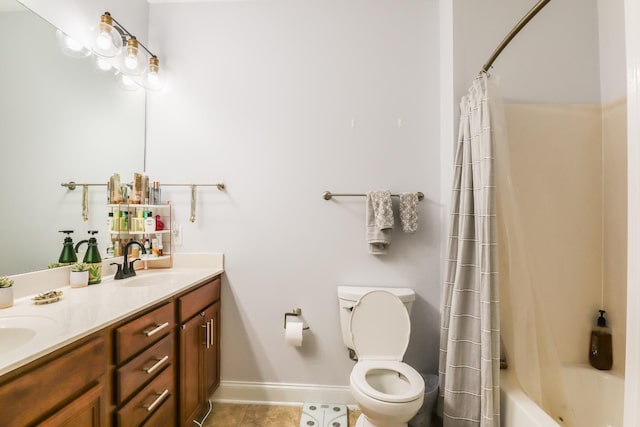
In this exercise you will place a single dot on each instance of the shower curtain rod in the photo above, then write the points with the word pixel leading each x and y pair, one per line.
pixel 519 26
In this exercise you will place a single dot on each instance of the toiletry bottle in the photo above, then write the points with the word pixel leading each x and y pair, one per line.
pixel 159 223
pixel 155 191
pixel 145 189
pixel 116 220
pixel 136 193
pixel 117 249
pixel 115 190
pixel 110 221
pixel 68 254
pixel 600 351
pixel 92 257
pixel 160 246
pixel 149 223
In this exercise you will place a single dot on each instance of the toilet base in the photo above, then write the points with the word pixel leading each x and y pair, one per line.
pixel 363 421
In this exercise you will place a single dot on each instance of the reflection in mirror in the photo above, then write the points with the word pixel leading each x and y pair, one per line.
pixel 60 120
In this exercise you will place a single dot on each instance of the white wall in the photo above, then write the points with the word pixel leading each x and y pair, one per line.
pixel 613 84
pixel 282 100
pixel 554 59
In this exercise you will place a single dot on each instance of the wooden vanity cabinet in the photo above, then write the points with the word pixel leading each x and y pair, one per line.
pixel 65 388
pixel 199 369
pixel 140 371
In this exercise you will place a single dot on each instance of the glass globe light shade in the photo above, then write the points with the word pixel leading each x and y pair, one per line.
pixel 103 64
pixel 106 40
pixel 130 59
pixel 71 47
pixel 153 78
pixel 126 82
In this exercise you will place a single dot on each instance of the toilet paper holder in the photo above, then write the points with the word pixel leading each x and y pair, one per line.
pixel 295 312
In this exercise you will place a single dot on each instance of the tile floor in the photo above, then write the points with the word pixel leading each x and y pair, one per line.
pixel 244 415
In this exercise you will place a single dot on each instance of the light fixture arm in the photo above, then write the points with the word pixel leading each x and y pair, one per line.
pixel 125 33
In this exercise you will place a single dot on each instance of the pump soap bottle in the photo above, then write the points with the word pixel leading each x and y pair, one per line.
pixel 93 258
pixel 68 254
pixel 600 351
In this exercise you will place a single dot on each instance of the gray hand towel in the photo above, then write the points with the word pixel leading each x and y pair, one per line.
pixel 409 212
pixel 379 221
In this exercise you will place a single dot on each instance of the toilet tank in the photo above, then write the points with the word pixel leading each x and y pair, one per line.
pixel 349 295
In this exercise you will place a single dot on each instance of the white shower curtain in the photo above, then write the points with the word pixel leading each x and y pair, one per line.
pixel 470 327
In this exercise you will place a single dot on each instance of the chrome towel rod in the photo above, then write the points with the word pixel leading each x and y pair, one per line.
pixel 72 185
pixel 327 195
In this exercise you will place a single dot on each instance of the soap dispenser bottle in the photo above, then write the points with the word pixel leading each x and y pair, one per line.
pixel 92 257
pixel 68 254
pixel 600 351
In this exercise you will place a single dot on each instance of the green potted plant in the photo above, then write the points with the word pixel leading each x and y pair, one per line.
pixel 79 275
pixel 6 292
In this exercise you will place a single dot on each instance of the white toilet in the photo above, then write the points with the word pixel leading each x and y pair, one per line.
pixel 375 324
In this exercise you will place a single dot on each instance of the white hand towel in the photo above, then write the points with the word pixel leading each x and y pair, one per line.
pixel 409 212
pixel 379 221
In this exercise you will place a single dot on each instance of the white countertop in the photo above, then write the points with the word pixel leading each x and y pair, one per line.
pixel 82 311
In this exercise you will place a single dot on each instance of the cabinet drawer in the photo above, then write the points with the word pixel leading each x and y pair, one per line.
pixel 196 300
pixel 149 400
pixel 143 331
pixel 144 367
pixel 165 415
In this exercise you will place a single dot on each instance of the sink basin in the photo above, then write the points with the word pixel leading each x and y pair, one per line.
pixel 157 278
pixel 16 331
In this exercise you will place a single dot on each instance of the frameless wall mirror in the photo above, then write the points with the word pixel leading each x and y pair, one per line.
pixel 61 120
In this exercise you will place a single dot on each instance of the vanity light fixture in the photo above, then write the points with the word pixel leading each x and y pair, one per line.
pixel 126 82
pixel 130 58
pixel 117 46
pixel 106 39
pixel 152 79
pixel 71 47
pixel 102 64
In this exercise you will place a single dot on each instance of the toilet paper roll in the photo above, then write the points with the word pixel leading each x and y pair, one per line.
pixel 293 333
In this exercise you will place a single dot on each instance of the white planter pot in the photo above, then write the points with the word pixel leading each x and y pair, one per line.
pixel 6 297
pixel 78 279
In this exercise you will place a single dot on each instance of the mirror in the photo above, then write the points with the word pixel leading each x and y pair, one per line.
pixel 60 120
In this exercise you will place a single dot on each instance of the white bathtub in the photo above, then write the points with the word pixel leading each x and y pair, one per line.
pixel 595 398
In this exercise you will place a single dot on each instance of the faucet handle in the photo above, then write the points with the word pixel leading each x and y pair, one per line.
pixel 132 270
pixel 119 274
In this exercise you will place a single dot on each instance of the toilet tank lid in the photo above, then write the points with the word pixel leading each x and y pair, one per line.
pixel 354 293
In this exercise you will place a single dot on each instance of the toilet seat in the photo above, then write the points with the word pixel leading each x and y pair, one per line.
pixel 380 327
pixel 415 386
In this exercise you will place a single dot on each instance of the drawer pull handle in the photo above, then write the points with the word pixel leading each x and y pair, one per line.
pixel 156 329
pixel 156 402
pixel 156 365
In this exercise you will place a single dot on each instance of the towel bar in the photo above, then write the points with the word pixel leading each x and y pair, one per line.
pixel 327 195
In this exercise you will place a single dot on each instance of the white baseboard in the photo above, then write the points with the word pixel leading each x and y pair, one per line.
pixel 281 393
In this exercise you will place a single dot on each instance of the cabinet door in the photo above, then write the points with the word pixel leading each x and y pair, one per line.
pixel 85 411
pixel 191 344
pixel 211 353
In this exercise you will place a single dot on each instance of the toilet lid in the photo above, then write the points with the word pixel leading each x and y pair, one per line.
pixel 380 327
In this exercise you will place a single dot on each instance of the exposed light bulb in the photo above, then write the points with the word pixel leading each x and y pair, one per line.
pixel 103 65
pixel 127 81
pixel 103 41
pixel 131 61
pixel 72 44
pixel 153 79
